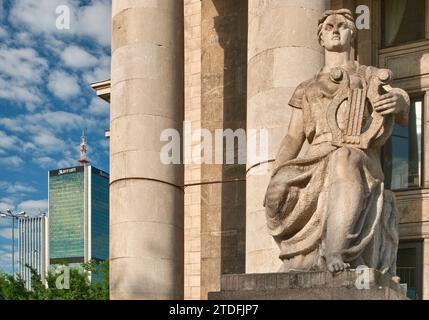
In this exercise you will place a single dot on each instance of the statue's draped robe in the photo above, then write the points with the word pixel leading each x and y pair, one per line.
pixel 297 197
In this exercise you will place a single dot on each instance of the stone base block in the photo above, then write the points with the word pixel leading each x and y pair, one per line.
pixel 366 284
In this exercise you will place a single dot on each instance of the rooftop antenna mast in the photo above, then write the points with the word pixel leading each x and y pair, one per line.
pixel 83 150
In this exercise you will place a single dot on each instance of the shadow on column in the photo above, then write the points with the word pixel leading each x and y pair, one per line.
pixel 223 106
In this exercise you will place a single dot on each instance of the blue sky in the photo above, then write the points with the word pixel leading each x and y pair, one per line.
pixel 46 100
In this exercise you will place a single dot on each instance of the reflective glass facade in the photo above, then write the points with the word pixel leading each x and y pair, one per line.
pixel 71 212
pixel 66 214
pixel 99 215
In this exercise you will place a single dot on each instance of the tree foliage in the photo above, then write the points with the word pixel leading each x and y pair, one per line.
pixel 80 287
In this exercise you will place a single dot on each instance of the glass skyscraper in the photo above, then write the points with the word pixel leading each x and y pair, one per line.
pixel 78 215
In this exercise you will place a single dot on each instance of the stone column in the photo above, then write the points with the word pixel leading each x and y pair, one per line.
pixel 283 51
pixel 146 208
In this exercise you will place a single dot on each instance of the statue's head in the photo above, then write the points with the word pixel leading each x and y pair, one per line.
pixel 337 30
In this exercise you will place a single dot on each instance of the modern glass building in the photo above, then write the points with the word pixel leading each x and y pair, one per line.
pixel 32 240
pixel 78 215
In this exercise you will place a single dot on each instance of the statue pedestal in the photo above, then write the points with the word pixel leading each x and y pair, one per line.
pixel 367 284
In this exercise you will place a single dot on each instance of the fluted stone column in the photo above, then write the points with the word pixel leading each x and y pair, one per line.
pixel 146 208
pixel 283 51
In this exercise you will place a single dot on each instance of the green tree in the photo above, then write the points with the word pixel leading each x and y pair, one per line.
pixel 80 287
pixel 12 289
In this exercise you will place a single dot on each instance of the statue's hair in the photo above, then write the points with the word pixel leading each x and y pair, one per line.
pixel 346 13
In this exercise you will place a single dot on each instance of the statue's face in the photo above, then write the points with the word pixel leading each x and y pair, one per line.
pixel 336 35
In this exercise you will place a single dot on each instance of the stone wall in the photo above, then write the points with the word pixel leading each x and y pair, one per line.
pixel 223 98
pixel 215 98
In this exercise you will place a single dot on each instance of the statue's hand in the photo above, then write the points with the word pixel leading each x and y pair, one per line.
pixel 390 103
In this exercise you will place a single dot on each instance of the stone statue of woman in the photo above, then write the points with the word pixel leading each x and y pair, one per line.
pixel 328 209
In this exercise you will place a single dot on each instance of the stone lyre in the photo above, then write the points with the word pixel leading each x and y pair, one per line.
pixel 359 132
pixel 356 106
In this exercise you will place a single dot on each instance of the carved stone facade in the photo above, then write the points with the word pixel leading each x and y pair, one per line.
pixel 231 70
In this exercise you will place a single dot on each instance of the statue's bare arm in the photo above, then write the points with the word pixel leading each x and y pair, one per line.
pixel 291 144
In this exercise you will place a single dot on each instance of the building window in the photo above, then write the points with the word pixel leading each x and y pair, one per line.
pixel 409 268
pixel 402 159
pixel 403 21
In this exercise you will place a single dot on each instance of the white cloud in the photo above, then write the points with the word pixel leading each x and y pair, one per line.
pixel 95 21
pixel 9 199
pixel 19 187
pixel 45 162
pixel 61 120
pixel 28 147
pixel 12 161
pixel 19 92
pixel 54 44
pixel 1 9
pixel 57 121
pixel 44 138
pixel 104 144
pixel 5 262
pixel 3 32
pixel 16 187
pixel 77 58
pixel 34 206
pixel 23 64
pixel 45 144
pixel 39 16
pixel 70 157
pixel 67 162
pixel 6 233
pixel 101 72
pixel 99 107
pixel 5 248
pixel 63 85
pixel 48 142
pixel 21 70
pixel 50 163
pixel 6 204
pixel 24 38
pixel 9 143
